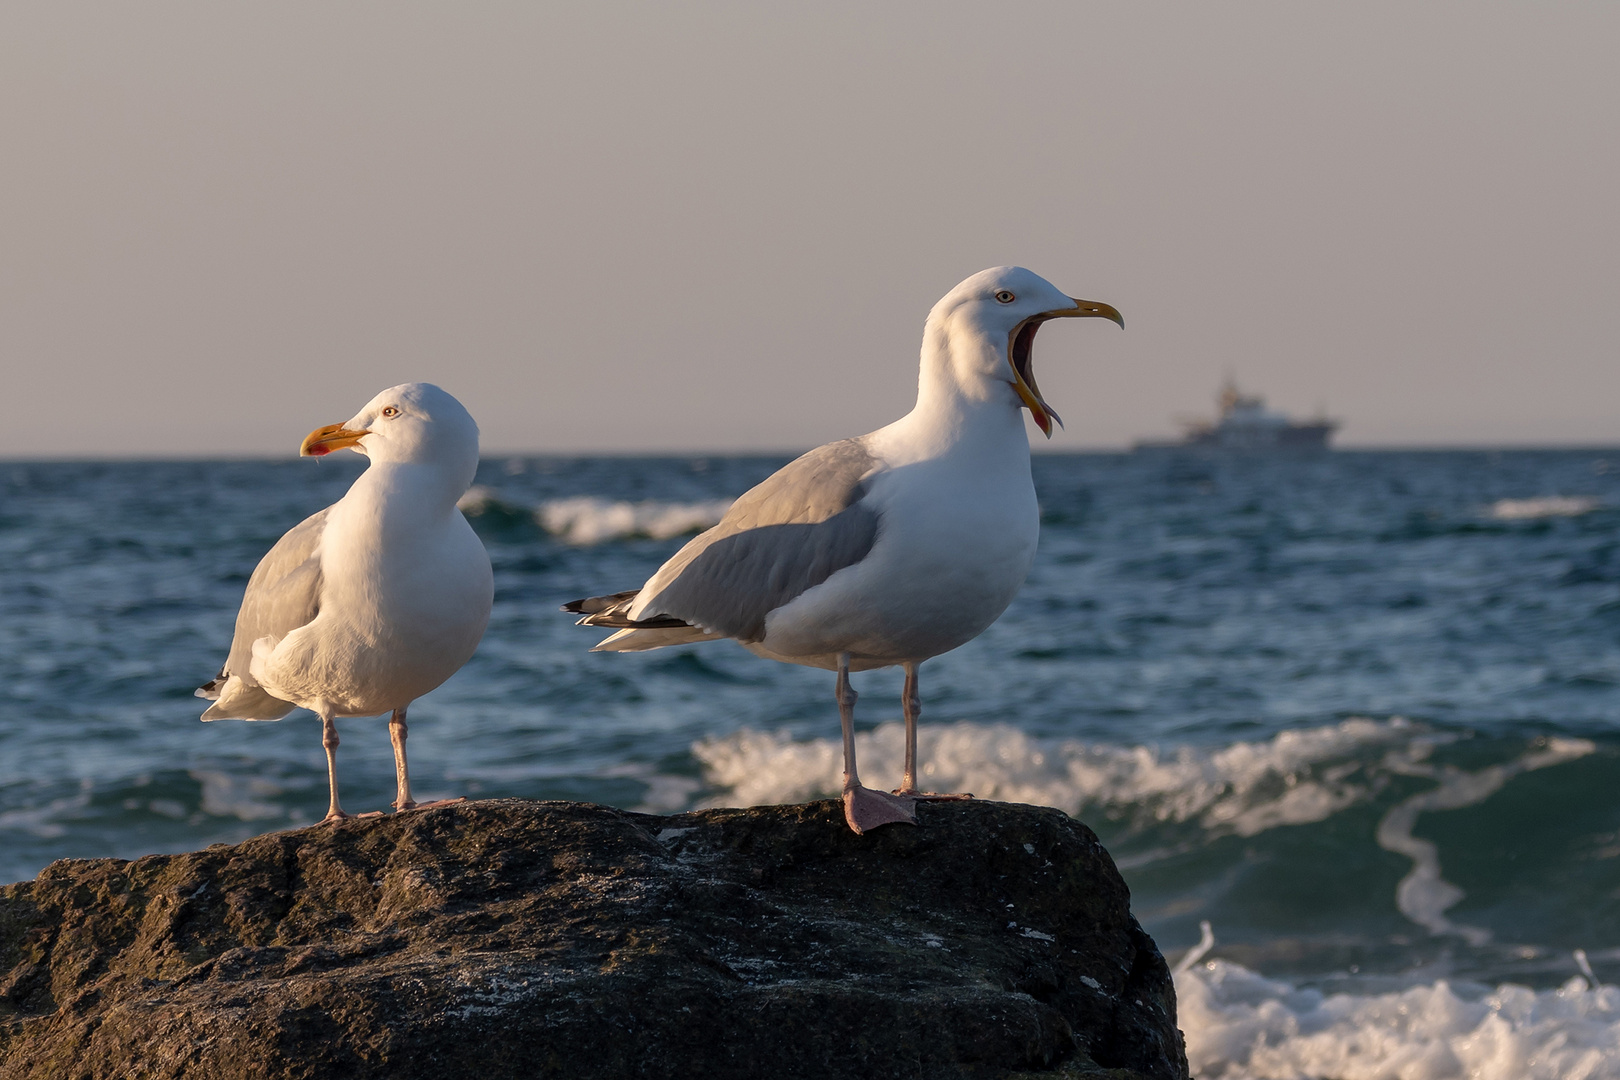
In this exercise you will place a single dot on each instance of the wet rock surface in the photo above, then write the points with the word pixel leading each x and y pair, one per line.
pixel 528 939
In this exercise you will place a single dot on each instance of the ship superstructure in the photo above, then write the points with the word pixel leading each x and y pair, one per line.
pixel 1243 422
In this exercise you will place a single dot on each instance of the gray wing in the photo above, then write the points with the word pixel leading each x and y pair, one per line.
pixel 283 594
pixel 785 536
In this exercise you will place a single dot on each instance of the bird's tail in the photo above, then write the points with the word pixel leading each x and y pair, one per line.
pixel 641 639
pixel 236 699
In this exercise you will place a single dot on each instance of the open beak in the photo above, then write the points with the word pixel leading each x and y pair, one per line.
pixel 1020 351
pixel 323 441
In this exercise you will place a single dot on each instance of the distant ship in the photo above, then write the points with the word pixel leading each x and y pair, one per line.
pixel 1244 423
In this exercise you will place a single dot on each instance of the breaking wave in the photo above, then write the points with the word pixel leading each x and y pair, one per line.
pixel 588 519
pixel 1544 506
pixel 1296 777
pixel 591 520
pixel 247 798
pixel 1423 895
pixel 1245 788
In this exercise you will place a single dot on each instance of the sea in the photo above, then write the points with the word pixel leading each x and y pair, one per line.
pixel 1349 723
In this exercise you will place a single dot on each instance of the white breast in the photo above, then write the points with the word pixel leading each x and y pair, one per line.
pixel 956 540
pixel 402 609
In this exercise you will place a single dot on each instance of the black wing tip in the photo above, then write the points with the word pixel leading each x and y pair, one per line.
pixel 657 622
pixel 609 611
pixel 591 605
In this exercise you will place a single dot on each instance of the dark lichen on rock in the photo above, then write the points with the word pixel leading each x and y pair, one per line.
pixel 511 938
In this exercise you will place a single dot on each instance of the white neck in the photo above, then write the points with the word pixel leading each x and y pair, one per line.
pixel 422 491
pixel 966 403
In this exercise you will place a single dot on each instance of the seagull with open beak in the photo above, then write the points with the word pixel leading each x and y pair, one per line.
pixel 886 549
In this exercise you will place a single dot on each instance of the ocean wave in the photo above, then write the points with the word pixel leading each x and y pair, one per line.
pixel 246 798
pixel 1423 896
pixel 44 820
pixel 481 501
pixel 1296 777
pixel 588 519
pixel 1543 506
pixel 1243 1026
pixel 1293 778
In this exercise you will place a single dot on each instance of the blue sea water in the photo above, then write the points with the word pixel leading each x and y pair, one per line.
pixel 1360 711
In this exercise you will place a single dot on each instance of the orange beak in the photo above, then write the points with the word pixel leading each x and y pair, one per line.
pixel 323 441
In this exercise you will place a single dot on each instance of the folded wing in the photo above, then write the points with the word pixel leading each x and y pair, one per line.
pixel 283 594
pixel 783 537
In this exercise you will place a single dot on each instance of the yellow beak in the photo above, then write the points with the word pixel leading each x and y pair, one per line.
pixel 323 441
pixel 1022 341
pixel 1089 309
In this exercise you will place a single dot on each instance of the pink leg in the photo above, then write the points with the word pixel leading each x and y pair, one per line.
pixel 402 773
pixel 397 735
pixel 864 808
pixel 329 739
pixel 911 705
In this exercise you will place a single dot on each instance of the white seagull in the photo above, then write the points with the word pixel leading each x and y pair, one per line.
pixel 379 598
pixel 885 549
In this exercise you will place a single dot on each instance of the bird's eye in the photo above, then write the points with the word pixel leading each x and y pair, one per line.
pixel 390 412
pixel 1004 297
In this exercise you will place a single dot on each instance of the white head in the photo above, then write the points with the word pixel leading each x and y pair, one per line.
pixel 987 326
pixel 415 423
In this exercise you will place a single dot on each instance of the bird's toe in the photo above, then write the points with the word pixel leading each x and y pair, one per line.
pixel 431 803
pixel 932 796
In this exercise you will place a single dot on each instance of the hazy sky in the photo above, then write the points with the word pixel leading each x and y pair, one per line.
pixel 720 226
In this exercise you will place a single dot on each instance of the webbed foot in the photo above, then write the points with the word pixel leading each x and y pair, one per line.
pixel 865 808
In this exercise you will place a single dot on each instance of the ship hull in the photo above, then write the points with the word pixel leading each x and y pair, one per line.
pixel 1294 438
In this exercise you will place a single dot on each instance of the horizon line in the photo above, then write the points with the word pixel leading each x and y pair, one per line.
pixel 1035 451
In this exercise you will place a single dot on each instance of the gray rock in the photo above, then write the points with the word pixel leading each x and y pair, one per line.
pixel 527 939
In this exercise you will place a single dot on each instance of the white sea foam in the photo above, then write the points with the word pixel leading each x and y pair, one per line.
pixel 1242 1026
pixel 587 519
pixel 241 797
pixel 590 520
pixel 1544 506
pixel 45 820
pixel 1292 778
pixel 664 794
pixel 478 499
